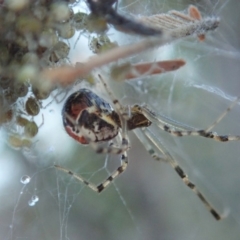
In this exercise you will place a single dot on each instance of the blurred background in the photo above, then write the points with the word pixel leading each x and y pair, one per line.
pixel 149 201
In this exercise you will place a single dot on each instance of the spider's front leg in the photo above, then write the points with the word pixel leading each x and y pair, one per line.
pixel 170 126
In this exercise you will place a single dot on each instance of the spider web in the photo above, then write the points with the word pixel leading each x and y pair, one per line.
pixel 148 201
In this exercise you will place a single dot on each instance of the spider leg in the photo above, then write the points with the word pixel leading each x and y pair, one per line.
pixel 147 140
pixel 100 187
pixel 184 131
pixel 120 109
pixel 123 114
pixel 219 119
pixel 111 149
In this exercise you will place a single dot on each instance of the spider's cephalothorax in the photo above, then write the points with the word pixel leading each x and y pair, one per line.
pixel 89 118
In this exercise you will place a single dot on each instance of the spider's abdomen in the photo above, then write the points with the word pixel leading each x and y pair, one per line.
pixel 89 118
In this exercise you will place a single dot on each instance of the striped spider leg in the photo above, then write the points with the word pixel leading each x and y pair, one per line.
pixel 149 142
pixel 178 131
pixel 219 119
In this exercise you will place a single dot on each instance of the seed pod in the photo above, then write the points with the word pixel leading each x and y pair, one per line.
pixel 5 82
pixel 80 20
pixel 41 94
pixel 60 51
pixel 6 116
pixel 96 24
pixel 101 44
pixel 21 89
pixel 17 142
pixel 32 106
pixel 31 129
pixel 48 38
pixel 66 30
pixel 10 96
pixel 60 12
pixel 21 121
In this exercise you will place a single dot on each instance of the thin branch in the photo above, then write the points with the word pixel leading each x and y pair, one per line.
pixel 67 74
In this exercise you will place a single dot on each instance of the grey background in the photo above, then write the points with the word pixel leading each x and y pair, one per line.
pixel 149 201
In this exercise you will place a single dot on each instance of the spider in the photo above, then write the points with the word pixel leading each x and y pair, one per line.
pixel 91 120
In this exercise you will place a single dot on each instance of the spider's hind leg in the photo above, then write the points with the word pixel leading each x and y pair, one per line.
pixel 150 143
pixel 219 119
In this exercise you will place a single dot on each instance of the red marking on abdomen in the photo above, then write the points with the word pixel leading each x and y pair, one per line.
pixel 81 139
pixel 77 108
